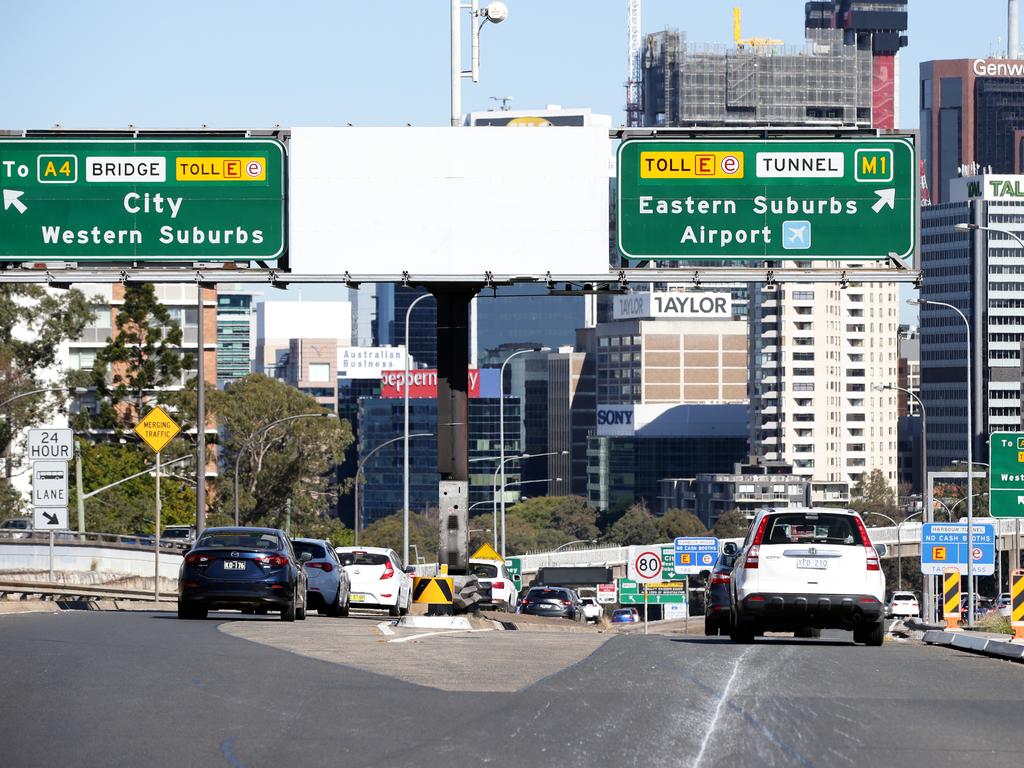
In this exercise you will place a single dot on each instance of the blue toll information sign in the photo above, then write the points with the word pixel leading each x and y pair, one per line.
pixel 693 554
pixel 945 545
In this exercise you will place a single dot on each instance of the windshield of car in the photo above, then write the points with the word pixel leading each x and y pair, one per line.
pixel 175 533
pixel 622 612
pixel 369 558
pixel 483 570
pixel 812 528
pixel 316 550
pixel 240 539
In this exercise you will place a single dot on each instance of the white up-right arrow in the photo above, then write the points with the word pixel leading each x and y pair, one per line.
pixel 11 198
pixel 886 197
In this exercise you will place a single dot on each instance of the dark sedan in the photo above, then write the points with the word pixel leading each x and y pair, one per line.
pixel 556 602
pixel 718 597
pixel 248 569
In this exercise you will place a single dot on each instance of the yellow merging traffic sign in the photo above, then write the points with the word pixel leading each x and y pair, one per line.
pixel 157 429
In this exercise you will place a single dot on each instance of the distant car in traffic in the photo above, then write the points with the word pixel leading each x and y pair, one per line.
pixel 903 605
pixel 718 594
pixel 494 576
pixel 625 616
pixel 592 612
pixel 553 602
pixel 802 570
pixel 327 584
pixel 378 579
pixel 16 528
pixel 1003 604
pixel 182 534
pixel 248 569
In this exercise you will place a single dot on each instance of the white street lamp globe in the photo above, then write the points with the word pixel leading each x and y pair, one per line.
pixel 496 12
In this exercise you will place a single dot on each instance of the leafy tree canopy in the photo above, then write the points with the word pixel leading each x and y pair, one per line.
pixel 732 525
pixel 678 522
pixel 636 526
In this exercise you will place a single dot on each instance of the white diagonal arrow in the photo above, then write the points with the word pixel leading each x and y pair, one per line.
pixel 11 198
pixel 886 197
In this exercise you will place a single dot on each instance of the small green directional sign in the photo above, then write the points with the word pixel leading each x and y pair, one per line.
pixel 1006 474
pixel 729 199
pixel 194 199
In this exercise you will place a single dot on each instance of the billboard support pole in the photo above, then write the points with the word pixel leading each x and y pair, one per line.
pixel 453 302
pixel 201 419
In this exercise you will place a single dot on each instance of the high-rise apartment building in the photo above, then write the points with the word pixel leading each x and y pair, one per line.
pixel 817 352
pixel 236 335
pixel 980 274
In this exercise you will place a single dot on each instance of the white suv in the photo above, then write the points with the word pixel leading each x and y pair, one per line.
pixel 377 578
pixel 802 570
pixel 903 605
pixel 494 574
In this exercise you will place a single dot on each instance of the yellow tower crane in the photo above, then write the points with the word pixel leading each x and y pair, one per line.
pixel 753 42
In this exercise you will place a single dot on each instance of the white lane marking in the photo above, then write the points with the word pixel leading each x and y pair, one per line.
pixel 718 709
pixel 385 628
pixel 432 634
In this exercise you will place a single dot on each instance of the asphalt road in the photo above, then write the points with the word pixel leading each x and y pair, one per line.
pixel 101 689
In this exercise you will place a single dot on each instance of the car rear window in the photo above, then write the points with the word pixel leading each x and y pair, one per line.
pixel 369 558
pixel 483 570
pixel 908 598
pixel 622 612
pixel 240 539
pixel 317 551
pixel 812 528
pixel 544 594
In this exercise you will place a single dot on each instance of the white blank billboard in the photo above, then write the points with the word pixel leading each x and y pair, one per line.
pixel 449 202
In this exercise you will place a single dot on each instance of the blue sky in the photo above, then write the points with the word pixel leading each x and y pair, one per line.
pixel 227 63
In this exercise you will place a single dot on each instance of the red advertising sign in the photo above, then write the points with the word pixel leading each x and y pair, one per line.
pixel 422 383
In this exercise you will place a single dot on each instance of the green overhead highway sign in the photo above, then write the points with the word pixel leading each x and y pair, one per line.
pixel 728 199
pixel 89 200
pixel 1006 474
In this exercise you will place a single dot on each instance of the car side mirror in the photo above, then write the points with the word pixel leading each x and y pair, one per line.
pixel 410 569
pixel 881 549
pixel 305 557
pixel 730 548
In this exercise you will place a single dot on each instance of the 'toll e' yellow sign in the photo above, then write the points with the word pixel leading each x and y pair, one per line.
pixel 157 429
pixel 691 165
pixel 220 169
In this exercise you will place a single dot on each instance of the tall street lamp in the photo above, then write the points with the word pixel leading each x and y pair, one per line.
pixel 970 452
pixel 67 390
pixel 501 428
pixel 494 489
pixel 495 13
pixel 405 447
pixel 252 439
pixel 359 472
pixel 924 433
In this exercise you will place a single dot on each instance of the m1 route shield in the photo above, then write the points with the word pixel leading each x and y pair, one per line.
pixel 734 199
pixel 89 200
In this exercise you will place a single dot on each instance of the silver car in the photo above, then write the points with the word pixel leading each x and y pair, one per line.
pixel 328 587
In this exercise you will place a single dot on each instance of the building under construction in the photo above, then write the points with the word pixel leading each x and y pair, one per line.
pixel 844 74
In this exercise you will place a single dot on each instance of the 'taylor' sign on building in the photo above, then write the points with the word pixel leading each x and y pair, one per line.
pixel 990 186
pixel 673 304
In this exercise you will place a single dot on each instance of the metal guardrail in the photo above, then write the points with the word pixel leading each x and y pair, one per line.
pixel 74 591
pixel 91 539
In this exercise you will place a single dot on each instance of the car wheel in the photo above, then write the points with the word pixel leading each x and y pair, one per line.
pixel 711 627
pixel 343 610
pixel 288 614
pixel 394 610
pixel 872 634
pixel 186 611
pixel 742 632
pixel 300 612
pixel 334 609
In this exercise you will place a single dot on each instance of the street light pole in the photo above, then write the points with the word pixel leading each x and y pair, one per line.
pixel 252 439
pixel 405 447
pixel 495 13
pixel 970 455
pixel 899 547
pixel 359 471
pixel 494 488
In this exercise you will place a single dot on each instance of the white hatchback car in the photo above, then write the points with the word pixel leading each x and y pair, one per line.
pixel 378 579
pixel 802 570
pixel 903 605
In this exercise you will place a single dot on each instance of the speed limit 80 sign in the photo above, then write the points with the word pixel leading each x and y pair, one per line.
pixel 645 564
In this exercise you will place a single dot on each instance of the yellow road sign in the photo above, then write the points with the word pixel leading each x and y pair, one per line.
pixel 1017 597
pixel 938 553
pixel 157 429
pixel 432 590
pixel 951 593
pixel 486 552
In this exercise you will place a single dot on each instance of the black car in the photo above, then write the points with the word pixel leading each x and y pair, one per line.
pixel 248 569
pixel 557 602
pixel 718 595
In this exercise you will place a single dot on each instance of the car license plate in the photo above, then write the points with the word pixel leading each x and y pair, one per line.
pixel 357 598
pixel 234 565
pixel 812 562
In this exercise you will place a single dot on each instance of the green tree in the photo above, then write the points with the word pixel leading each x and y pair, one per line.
pixel 388 532
pixel 33 324
pixel 636 526
pixel 873 494
pixel 546 522
pixel 295 459
pixel 143 355
pixel 678 522
pixel 732 525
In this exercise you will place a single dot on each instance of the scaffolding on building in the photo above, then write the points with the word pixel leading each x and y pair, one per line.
pixel 827 81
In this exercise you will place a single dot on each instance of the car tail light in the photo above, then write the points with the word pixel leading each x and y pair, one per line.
pixel 870 555
pixel 389 570
pixel 325 567
pixel 754 553
pixel 274 561
pixel 567 602
pixel 497 585
pixel 385 594
pixel 721 578
pixel 197 559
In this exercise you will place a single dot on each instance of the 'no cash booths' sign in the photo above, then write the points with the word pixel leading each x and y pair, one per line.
pixel 839 199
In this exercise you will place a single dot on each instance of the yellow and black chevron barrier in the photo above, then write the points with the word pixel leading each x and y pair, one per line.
pixel 1017 604
pixel 951 598
pixel 432 590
